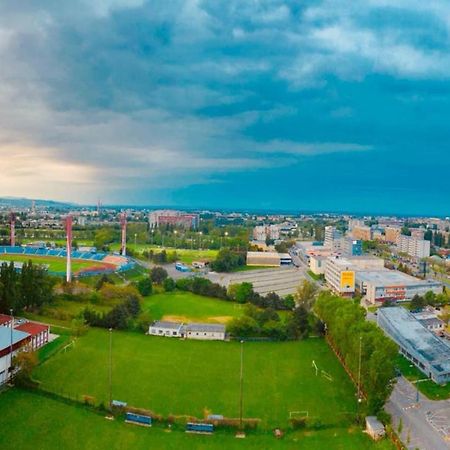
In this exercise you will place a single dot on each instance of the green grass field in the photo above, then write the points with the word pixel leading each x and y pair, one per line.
pixel 189 307
pixel 185 255
pixel 184 377
pixel 34 422
pixel 429 388
pixel 55 264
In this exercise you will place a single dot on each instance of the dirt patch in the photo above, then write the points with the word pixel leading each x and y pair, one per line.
pixel 184 319
pixel 171 318
pixel 220 319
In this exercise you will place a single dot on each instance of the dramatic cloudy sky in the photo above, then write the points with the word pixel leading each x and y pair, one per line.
pixel 316 105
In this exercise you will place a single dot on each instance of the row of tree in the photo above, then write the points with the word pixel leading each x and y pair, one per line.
pixel 29 288
pixel 364 348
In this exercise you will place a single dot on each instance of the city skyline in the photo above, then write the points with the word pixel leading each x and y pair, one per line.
pixel 270 106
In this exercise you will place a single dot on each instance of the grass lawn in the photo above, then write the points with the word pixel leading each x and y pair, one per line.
pixel 184 377
pixel 189 307
pixel 56 264
pixel 34 422
pixel 185 255
pixel 429 388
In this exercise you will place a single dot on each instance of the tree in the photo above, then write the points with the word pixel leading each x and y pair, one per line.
pixel 145 286
pixel 158 274
pixel 169 284
pixel 244 326
pixel 306 294
pixel 417 302
pixel 228 260
pixel 79 326
pixel 298 326
pixel 25 362
pixel 240 292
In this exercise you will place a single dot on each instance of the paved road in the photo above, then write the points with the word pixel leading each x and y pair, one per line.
pixel 425 424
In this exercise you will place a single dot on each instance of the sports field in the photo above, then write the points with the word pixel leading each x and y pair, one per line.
pixel 38 423
pixel 185 255
pixel 184 377
pixel 56 264
pixel 188 307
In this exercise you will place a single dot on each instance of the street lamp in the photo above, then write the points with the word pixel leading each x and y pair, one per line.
pixel 359 374
pixel 110 368
pixel 135 238
pixel 241 387
pixel 175 233
pixel 200 233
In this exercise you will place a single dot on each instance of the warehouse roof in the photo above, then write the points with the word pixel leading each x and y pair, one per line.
pixel 391 278
pixel 166 324
pixel 410 333
pixel 205 328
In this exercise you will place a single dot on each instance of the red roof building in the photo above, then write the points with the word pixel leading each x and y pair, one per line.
pixel 5 321
pixel 38 331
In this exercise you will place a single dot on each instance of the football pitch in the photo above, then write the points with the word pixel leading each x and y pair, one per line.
pixel 188 307
pixel 33 422
pixel 172 376
pixel 55 264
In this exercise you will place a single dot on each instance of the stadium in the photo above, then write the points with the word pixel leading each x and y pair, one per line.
pixel 54 259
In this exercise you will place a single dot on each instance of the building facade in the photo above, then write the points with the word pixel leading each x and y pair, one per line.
pixel 428 352
pixel 413 246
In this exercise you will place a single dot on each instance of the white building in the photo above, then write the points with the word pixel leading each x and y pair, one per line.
pixel 382 285
pixel 332 238
pixel 205 331
pixel 415 247
pixel 10 340
pixel 317 264
pixel 167 329
pixel 340 271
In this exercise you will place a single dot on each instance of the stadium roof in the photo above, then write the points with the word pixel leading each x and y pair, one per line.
pixel 409 332
pixel 5 337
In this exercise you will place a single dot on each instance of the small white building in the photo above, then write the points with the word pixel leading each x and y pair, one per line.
pixel 167 329
pixel 205 331
pixel 374 428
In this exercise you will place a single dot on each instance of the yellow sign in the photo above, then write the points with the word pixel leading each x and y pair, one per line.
pixel 347 279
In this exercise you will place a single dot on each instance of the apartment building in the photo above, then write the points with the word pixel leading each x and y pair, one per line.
pixel 413 246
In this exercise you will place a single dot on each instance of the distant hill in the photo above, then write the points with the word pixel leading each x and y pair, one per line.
pixel 21 202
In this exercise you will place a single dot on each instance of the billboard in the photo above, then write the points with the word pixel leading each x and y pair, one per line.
pixel 347 279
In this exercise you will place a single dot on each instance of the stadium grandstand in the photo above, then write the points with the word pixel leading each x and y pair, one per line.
pixel 102 263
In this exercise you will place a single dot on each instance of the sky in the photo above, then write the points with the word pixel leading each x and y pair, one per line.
pixel 329 105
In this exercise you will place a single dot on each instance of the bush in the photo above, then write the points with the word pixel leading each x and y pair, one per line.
pixel 169 284
pixel 145 286
pixel 158 275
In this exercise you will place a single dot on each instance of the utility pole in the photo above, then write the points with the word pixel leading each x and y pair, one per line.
pixel 359 373
pixel 110 368
pixel 241 382
pixel 11 344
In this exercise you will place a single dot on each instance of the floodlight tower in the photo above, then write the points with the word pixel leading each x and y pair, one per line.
pixel 12 230
pixel 69 248
pixel 123 226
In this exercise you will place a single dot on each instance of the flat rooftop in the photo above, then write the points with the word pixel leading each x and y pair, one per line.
pixel 409 332
pixel 5 337
pixel 391 278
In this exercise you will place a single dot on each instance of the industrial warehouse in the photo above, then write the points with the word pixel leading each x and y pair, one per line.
pixel 421 346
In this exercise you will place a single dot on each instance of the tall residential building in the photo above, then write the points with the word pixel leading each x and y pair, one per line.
pixel 417 248
pixel 352 223
pixel 363 233
pixel 263 232
pixel 418 233
pixel 332 238
pixel 351 247
pixel 391 234
pixel 175 218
